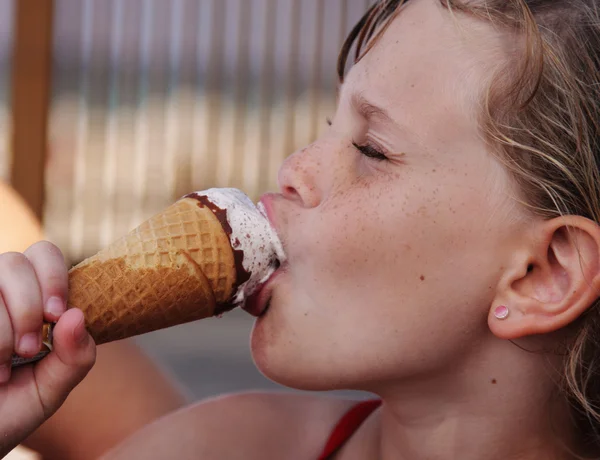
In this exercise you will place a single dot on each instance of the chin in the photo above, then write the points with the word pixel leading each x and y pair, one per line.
pixel 270 351
pixel 286 357
pixel 283 372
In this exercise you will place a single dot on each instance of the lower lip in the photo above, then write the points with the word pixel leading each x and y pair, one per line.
pixel 256 304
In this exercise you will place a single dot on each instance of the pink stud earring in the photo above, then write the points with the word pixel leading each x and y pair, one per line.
pixel 501 312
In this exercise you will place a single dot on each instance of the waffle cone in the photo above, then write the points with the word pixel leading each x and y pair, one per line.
pixel 176 267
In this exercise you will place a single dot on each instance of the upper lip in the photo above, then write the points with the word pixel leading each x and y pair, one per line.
pixel 267 201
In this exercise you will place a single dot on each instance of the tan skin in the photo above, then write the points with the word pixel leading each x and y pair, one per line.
pixel 395 268
pixel 123 392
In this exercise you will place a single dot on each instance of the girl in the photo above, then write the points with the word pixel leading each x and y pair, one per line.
pixel 443 253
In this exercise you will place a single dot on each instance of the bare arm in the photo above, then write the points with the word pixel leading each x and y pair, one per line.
pixel 19 228
pixel 123 392
pixel 241 426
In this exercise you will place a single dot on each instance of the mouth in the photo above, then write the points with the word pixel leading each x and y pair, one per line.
pixel 266 202
pixel 260 301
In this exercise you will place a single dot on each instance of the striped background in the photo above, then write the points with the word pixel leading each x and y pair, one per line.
pixel 152 99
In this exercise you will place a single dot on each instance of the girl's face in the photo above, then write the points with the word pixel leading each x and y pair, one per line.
pixel 395 247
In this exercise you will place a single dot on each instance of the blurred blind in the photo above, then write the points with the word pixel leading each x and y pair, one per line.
pixel 6 43
pixel 153 99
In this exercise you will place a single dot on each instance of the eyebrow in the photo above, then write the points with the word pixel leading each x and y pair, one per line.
pixel 368 110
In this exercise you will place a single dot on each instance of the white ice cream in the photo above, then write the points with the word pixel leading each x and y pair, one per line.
pixel 251 233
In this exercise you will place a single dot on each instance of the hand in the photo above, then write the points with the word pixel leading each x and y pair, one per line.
pixel 33 288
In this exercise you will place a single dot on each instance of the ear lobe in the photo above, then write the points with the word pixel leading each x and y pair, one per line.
pixel 556 281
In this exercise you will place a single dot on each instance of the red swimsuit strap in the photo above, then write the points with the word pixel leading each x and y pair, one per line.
pixel 347 425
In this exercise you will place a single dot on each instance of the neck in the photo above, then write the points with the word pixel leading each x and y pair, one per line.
pixel 500 403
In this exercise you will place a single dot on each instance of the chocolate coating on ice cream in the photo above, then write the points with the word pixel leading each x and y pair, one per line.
pixel 257 248
pixel 221 214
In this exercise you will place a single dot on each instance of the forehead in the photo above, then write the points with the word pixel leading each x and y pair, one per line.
pixel 429 70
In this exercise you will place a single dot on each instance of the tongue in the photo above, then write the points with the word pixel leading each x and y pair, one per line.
pixel 252 305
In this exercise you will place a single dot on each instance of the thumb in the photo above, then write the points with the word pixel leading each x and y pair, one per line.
pixel 73 356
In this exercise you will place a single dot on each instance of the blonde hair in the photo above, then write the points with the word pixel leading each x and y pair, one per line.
pixel 541 116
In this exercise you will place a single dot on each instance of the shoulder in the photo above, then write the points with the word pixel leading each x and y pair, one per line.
pixel 19 227
pixel 243 425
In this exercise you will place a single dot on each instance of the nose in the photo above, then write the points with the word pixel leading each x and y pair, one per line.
pixel 298 177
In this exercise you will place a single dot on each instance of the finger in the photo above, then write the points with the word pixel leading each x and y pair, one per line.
pixel 73 356
pixel 49 266
pixel 6 343
pixel 21 292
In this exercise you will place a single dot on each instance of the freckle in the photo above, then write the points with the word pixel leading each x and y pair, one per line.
pixel 422 278
pixel 494 382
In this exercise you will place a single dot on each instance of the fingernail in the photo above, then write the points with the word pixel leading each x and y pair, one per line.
pixel 80 334
pixel 30 343
pixel 55 306
pixel 4 373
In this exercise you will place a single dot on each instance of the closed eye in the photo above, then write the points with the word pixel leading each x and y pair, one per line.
pixel 370 151
pixel 367 150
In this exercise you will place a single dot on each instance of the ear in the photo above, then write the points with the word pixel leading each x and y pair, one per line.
pixel 551 281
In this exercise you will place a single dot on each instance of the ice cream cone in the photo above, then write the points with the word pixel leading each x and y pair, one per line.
pixel 200 257
pixel 176 267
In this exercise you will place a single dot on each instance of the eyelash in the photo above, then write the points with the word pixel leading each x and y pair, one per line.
pixel 370 151
pixel 367 150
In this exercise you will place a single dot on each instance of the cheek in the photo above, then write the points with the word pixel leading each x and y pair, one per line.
pixel 348 232
pixel 339 251
pixel 355 243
